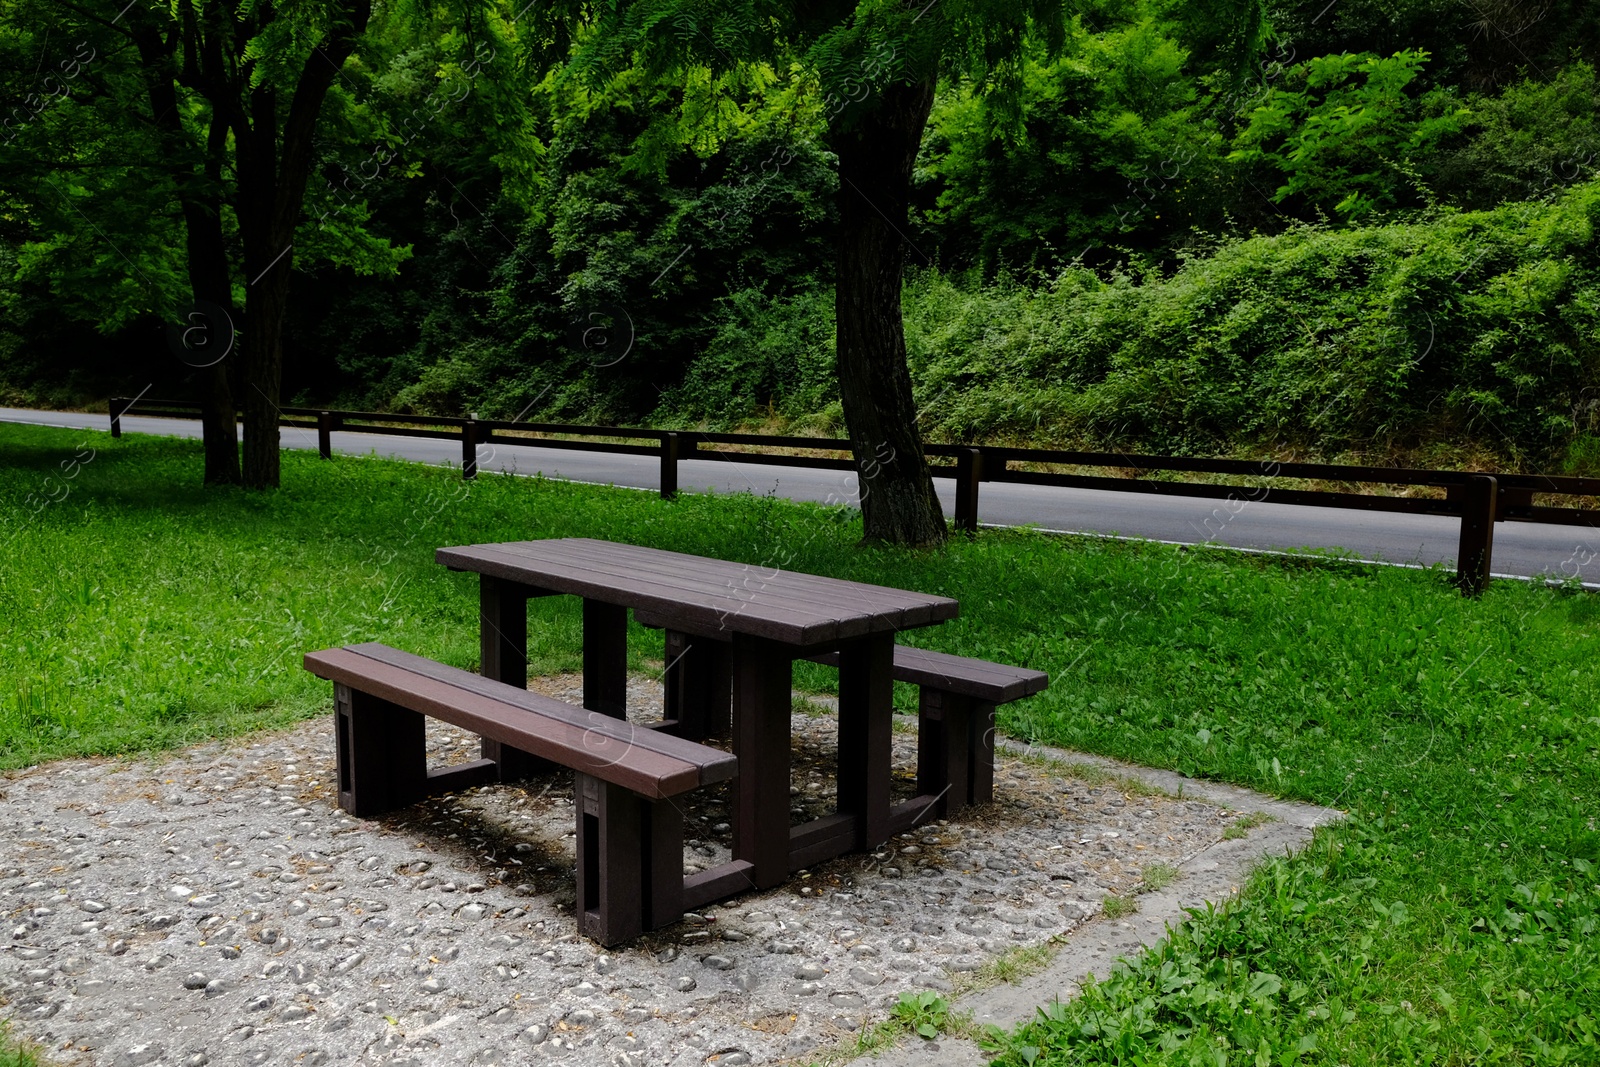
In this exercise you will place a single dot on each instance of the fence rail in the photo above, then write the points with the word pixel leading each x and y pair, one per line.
pixel 1478 500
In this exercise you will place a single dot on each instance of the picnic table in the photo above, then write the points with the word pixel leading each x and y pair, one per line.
pixel 768 619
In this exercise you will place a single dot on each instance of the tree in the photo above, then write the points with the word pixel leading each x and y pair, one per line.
pixel 877 64
pixel 211 107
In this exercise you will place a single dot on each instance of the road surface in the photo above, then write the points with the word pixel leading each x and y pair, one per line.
pixel 1521 550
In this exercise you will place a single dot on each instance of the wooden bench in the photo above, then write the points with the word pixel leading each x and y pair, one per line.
pixel 630 833
pixel 956 706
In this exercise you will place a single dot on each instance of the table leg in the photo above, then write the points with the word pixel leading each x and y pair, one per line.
pixel 762 672
pixel 605 658
pixel 503 656
pixel 866 718
pixel 699 685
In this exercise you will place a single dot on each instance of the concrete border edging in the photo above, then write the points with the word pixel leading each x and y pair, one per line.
pixel 1212 875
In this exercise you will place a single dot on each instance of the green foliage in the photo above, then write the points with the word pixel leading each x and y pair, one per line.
pixel 1118 907
pixel 1526 143
pixel 925 1014
pixel 1343 133
pixel 14 1053
pixel 1471 328
pixel 1468 327
pixel 1104 144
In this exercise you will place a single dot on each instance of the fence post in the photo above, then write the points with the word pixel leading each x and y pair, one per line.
pixel 1476 552
pixel 119 404
pixel 669 466
pixel 969 472
pixel 325 434
pixel 469 448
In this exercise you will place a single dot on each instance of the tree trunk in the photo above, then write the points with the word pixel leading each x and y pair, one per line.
pixel 207 253
pixel 876 154
pixel 267 259
pixel 273 168
pixel 208 277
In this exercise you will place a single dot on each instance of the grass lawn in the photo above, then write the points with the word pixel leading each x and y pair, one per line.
pixel 1453 918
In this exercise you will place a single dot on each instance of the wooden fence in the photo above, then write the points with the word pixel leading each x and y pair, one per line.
pixel 1478 500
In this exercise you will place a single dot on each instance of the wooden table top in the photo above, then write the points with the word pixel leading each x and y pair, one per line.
pixel 788 606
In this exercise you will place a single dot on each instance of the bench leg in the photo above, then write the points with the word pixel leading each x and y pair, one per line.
pixel 380 753
pixel 662 837
pixel 699 686
pixel 630 862
pixel 866 725
pixel 982 742
pixel 610 891
pixel 944 749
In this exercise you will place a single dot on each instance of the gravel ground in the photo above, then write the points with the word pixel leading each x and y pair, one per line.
pixel 215 906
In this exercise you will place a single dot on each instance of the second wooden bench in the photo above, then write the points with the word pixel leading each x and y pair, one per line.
pixel 957 698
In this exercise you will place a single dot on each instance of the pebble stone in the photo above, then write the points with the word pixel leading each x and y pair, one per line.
pixel 214 906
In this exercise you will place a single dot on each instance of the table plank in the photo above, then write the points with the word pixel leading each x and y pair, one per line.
pixel 796 608
pixel 668 594
pixel 810 590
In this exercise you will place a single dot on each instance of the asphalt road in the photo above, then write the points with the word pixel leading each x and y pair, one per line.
pixel 1523 550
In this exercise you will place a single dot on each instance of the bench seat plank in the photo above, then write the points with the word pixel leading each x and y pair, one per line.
pixel 719 768
pixel 609 750
pixel 995 683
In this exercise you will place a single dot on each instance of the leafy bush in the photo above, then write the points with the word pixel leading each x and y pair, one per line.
pixel 1343 132
pixel 1469 329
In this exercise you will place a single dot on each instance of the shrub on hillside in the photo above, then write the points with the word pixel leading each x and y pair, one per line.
pixel 1474 328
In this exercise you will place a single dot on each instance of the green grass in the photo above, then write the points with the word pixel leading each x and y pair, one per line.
pixel 1452 918
pixel 1118 907
pixel 15 1053
pixel 1157 876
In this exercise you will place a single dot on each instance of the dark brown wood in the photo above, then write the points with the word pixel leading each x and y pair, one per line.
pixel 463 776
pixel 325 434
pixel 1236 493
pixel 469 448
pixel 503 656
pixel 761 686
pixel 911 813
pixel 981 767
pixel 698 594
pixel 379 753
pixel 699 685
pixel 822 839
pixel 1475 554
pixel 866 718
pixel 585 741
pixel 944 749
pixel 610 897
pixel 721 769
pixel 969 473
pixel 801 593
pixel 119 405
pixel 669 466
pixel 629 837
pixel 661 834
pixel 724 881
pixel 605 658
pixel 995 682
